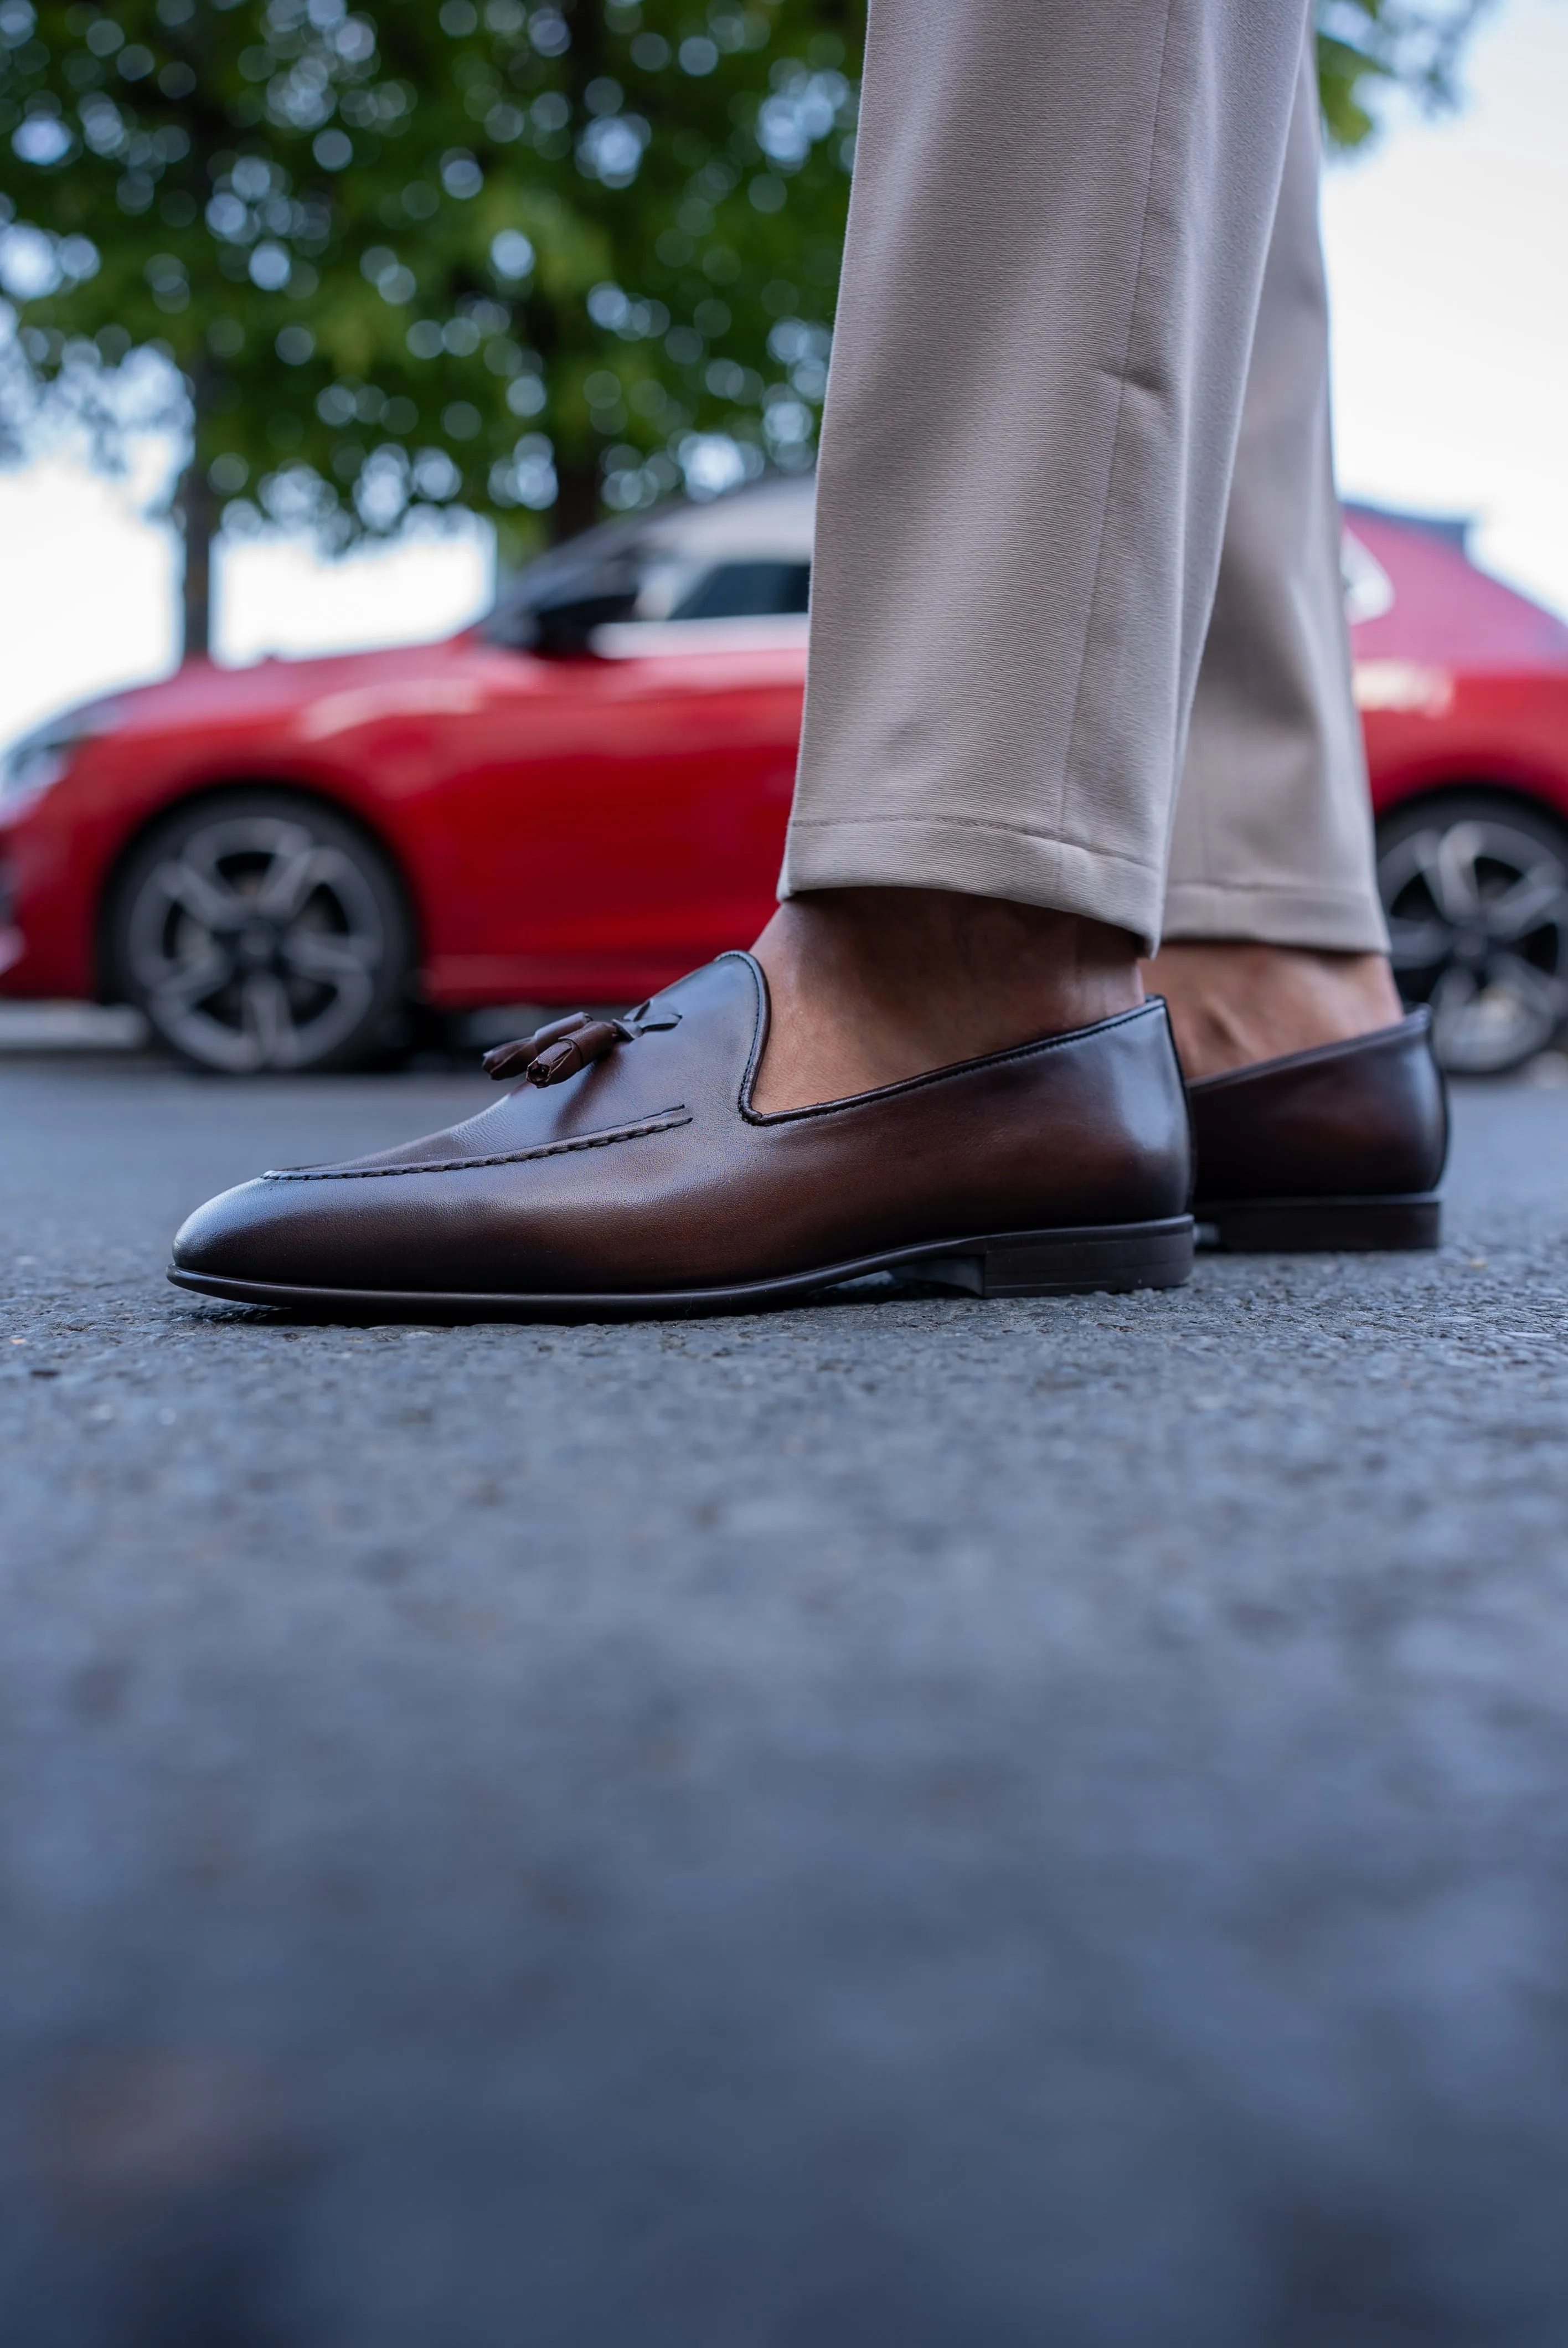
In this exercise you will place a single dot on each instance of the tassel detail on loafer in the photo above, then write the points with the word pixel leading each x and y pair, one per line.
pixel 552 1053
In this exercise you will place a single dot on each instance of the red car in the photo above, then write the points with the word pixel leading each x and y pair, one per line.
pixel 586 795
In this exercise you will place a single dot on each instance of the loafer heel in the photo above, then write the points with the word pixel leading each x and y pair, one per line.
pixel 1322 1226
pixel 1107 1258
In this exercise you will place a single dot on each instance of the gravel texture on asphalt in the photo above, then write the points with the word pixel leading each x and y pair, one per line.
pixel 909 1823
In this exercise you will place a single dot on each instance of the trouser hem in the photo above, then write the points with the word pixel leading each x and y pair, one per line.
pixel 1321 921
pixel 975 860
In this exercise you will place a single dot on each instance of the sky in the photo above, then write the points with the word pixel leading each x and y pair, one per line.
pixel 1448 260
pixel 1448 264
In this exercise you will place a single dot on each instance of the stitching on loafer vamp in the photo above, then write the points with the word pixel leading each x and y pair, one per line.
pixel 666 1122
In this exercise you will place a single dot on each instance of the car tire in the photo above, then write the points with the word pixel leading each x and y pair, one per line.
pixel 261 933
pixel 1474 884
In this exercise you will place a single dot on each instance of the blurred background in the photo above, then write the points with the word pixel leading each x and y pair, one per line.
pixel 1442 226
pixel 317 322
pixel 285 280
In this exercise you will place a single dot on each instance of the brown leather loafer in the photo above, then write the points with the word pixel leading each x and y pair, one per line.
pixel 1339 1147
pixel 628 1173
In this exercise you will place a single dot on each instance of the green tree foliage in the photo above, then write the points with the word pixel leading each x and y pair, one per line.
pixel 1365 44
pixel 515 255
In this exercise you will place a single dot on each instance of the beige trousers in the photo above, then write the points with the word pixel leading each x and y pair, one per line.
pixel 1077 530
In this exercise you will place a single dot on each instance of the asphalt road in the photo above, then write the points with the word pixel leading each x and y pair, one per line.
pixel 913 1823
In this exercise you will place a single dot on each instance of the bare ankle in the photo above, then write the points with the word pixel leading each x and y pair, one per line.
pixel 1234 1002
pixel 869 986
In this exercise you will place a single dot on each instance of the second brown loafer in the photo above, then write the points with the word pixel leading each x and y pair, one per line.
pixel 1343 1146
pixel 629 1173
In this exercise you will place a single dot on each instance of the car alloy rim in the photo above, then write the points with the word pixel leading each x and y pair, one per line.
pixel 256 944
pixel 1478 922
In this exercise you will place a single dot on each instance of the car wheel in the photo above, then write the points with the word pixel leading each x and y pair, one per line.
pixel 1475 888
pixel 259 931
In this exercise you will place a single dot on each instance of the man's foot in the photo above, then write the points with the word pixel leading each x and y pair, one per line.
pixel 869 986
pixel 1233 1003
pixel 1318 1114
pixel 1317 1109
pixel 1339 1146
pixel 631 1172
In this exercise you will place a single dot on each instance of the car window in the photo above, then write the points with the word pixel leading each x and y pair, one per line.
pixel 747 591
pixel 680 579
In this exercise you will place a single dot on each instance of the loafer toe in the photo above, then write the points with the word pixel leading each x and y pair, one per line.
pixel 248 1233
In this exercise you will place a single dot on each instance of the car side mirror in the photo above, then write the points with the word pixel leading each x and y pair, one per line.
pixel 565 631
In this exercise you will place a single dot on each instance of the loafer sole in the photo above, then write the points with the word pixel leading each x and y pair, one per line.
pixel 1109 1258
pixel 1320 1226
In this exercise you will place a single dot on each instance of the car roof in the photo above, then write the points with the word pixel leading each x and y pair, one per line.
pixel 772 518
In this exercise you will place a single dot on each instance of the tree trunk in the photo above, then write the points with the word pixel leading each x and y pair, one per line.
pixel 197 511
pixel 577 506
